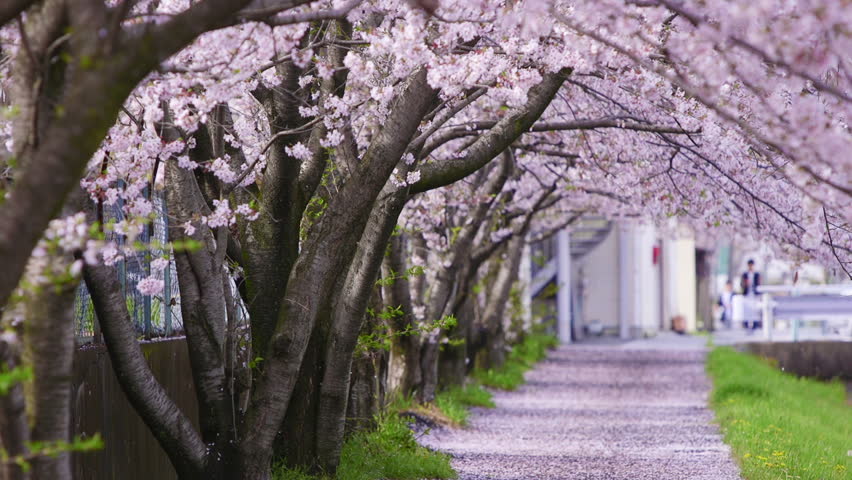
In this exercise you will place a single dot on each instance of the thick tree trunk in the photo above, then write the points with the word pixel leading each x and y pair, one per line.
pixel 367 382
pixel 297 442
pixel 331 380
pixel 330 248
pixel 37 88
pixel 272 241
pixel 365 393
pixel 411 346
pixel 429 369
pixel 495 345
pixel 49 336
pixel 204 311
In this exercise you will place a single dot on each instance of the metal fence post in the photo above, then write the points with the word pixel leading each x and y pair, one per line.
pixel 167 274
pixel 767 316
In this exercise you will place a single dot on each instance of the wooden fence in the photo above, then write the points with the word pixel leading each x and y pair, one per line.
pixel 130 452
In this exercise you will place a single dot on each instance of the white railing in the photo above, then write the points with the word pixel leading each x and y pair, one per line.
pixel 801 303
pixel 834 289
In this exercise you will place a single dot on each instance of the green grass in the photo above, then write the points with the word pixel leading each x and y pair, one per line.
pixel 451 406
pixel 280 472
pixel 455 402
pixel 389 452
pixel 780 426
pixel 522 358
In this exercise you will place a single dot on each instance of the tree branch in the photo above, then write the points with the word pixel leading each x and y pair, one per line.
pixel 333 14
pixel 587 124
pixel 831 245
pixel 12 8
pixel 498 138
pixel 169 425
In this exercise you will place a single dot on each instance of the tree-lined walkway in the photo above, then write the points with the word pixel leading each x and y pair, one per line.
pixel 598 412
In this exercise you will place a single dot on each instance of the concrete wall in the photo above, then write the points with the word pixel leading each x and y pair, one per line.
pixel 817 359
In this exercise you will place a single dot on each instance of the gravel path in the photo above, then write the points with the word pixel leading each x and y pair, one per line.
pixel 597 413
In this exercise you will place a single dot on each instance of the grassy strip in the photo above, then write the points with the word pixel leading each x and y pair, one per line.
pixel 456 402
pixel 389 452
pixel 523 357
pixel 451 406
pixel 780 426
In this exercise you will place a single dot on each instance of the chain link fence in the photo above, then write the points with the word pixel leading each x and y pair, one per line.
pixel 153 316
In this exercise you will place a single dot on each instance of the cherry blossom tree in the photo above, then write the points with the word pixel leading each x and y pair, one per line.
pixel 289 139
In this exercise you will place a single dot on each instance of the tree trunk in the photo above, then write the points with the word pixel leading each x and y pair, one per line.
pixel 203 307
pixel 452 368
pixel 172 429
pixel 14 430
pixel 495 309
pixel 429 368
pixel 364 393
pixel 297 441
pixel 366 384
pixel 49 336
pixel 399 295
pixel 411 346
pixel 325 384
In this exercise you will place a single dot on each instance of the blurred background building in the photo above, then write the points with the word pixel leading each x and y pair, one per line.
pixel 629 280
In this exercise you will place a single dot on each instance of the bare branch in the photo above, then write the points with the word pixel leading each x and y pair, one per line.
pixel 831 245
pixel 267 15
pixel 497 139
pixel 469 129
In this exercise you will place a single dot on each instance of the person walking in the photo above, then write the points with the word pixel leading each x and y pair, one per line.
pixel 750 282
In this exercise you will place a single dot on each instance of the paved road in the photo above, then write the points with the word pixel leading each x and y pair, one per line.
pixel 606 412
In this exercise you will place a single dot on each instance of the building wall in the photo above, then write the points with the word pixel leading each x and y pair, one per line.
pixel 679 265
pixel 647 283
pixel 595 278
pixel 619 285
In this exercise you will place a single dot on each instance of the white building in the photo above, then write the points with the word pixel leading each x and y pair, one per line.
pixel 626 280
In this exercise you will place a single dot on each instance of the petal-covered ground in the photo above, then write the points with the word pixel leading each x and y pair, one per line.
pixel 603 412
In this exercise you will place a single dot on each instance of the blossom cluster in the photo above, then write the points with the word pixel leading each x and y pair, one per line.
pixel 729 116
